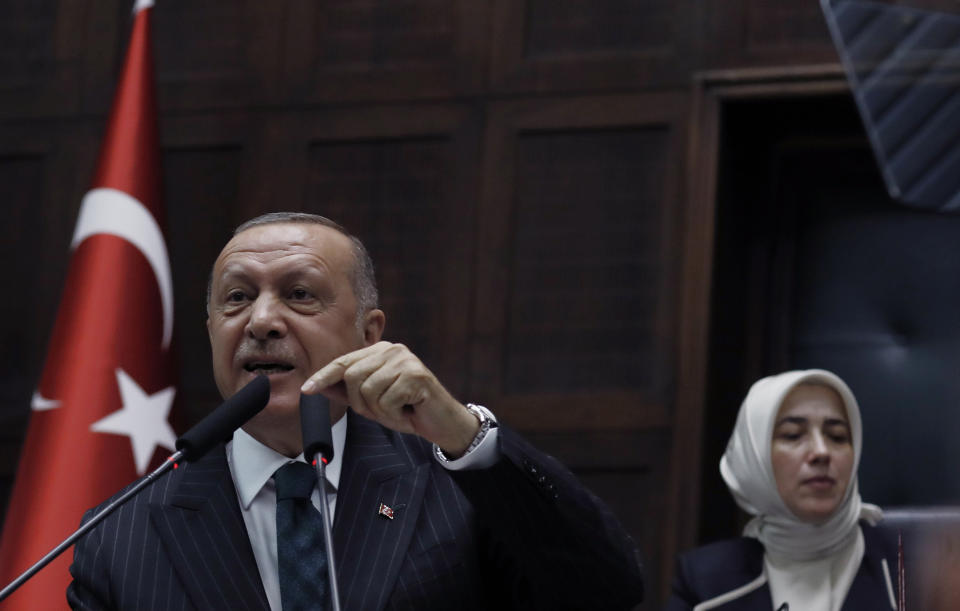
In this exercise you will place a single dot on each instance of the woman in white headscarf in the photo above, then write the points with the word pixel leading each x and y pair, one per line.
pixel 812 544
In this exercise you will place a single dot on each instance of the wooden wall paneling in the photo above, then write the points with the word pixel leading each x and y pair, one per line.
pixel 42 57
pixel 565 182
pixel 217 54
pixel 578 250
pixel 358 50
pixel 567 45
pixel 694 311
pixel 648 121
pixel 21 187
pixel 473 48
pixel 493 256
pixel 107 28
pixel 403 179
pixel 753 33
pixel 21 190
pixel 275 166
pixel 206 157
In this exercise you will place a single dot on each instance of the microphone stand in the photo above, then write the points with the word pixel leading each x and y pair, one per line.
pixel 96 519
pixel 321 465
pixel 318 447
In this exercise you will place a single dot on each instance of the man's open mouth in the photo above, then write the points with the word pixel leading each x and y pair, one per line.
pixel 267 367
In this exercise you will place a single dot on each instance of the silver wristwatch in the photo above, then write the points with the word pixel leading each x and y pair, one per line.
pixel 486 423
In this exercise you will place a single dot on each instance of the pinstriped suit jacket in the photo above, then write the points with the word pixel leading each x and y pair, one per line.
pixel 522 534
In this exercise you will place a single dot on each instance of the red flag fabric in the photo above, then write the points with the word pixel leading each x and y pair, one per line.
pixel 100 414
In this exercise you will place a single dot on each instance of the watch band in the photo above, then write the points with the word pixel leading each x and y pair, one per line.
pixel 487 422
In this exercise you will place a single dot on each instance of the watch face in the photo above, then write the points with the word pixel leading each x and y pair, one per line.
pixel 486 423
pixel 482 413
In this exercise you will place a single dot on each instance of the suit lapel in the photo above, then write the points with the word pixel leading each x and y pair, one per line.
pixel 743 567
pixel 760 598
pixel 869 589
pixel 370 547
pixel 203 532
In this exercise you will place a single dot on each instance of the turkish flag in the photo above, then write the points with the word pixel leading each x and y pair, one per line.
pixel 101 413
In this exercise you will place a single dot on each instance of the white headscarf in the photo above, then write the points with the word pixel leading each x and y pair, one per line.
pixel 748 472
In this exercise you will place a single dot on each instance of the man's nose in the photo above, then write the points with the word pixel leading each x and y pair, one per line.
pixel 266 318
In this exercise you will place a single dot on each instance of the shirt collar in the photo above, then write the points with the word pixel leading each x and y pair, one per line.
pixel 253 463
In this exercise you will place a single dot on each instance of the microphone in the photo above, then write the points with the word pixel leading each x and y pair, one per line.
pixel 315 426
pixel 217 426
pixel 318 449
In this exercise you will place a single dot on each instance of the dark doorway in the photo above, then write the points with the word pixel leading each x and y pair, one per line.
pixel 815 266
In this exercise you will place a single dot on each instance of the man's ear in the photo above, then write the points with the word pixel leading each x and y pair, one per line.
pixel 209 331
pixel 373 324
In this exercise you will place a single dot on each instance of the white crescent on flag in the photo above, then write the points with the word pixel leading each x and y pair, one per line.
pixel 39 403
pixel 114 212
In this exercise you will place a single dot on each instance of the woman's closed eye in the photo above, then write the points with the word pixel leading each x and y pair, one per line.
pixel 791 429
pixel 838 434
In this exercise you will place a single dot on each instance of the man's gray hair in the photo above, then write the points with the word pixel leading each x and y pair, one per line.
pixel 362 278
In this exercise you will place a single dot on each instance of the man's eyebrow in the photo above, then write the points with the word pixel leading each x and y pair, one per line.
pixel 230 271
pixel 304 270
pixel 226 280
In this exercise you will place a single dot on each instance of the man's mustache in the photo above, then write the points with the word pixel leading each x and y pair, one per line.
pixel 264 350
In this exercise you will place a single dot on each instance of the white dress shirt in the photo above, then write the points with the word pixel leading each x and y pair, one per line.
pixel 252 465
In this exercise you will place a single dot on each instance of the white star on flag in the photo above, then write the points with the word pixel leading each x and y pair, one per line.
pixel 143 419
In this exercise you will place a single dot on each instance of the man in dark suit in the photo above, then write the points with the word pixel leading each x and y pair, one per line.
pixel 436 506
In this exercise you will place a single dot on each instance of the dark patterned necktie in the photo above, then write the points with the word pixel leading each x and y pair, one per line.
pixel 301 555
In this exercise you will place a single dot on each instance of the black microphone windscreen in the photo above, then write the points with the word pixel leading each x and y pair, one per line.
pixel 315 426
pixel 218 426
